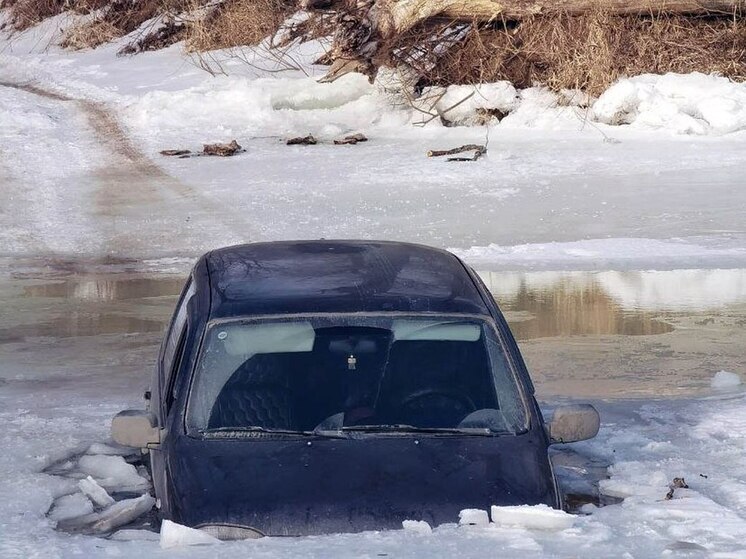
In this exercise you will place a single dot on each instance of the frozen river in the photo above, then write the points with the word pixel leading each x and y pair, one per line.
pixel 97 232
pixel 78 343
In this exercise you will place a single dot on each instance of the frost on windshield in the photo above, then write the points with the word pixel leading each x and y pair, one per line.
pixel 337 371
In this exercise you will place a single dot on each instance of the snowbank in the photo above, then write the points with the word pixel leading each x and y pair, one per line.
pixel 684 103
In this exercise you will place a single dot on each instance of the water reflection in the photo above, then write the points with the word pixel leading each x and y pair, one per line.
pixel 550 304
pixel 537 304
pixel 76 324
pixel 107 289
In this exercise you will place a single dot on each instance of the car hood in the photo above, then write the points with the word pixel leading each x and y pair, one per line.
pixel 302 486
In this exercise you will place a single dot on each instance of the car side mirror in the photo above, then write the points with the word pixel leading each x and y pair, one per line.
pixel 577 422
pixel 135 428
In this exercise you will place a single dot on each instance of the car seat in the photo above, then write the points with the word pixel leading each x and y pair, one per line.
pixel 257 394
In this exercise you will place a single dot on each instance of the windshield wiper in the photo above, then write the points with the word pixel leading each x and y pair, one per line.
pixel 252 430
pixel 479 431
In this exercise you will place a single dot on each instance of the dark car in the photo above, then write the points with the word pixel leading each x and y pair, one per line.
pixel 338 386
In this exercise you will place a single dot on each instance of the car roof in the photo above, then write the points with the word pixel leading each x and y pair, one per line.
pixel 288 277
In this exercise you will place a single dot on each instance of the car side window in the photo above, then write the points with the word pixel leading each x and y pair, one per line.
pixel 175 342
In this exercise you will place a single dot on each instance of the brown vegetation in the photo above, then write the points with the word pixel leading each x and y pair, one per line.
pixel 113 20
pixel 23 14
pixel 235 23
pixel 561 50
pixel 586 52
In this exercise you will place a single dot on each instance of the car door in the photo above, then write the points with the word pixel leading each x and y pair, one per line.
pixel 172 351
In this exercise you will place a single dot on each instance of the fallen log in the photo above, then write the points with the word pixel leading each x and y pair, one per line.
pixel 397 16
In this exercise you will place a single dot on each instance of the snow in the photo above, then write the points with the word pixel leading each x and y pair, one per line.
pixel 537 517
pixel 130 535
pixel 725 380
pixel 176 535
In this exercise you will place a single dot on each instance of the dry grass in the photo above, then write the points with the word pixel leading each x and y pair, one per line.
pixel 236 23
pixel 117 19
pixel 23 14
pixel 590 52
pixel 88 35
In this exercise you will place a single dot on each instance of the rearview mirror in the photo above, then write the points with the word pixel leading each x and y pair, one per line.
pixel 577 422
pixel 135 428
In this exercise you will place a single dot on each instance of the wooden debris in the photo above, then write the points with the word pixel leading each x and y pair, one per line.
pixel 351 139
pixel 478 150
pixel 677 483
pixel 302 141
pixel 222 150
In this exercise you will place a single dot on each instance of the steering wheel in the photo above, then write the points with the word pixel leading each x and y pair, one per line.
pixel 460 405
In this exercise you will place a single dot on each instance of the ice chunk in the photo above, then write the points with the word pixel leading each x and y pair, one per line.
pixel 536 517
pixel 419 526
pixel 112 472
pixel 473 517
pixel 100 448
pixel 95 492
pixel 71 506
pixel 135 535
pixel 176 535
pixel 725 379
pixel 122 512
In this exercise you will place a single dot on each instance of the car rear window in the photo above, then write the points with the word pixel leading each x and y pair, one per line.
pixel 306 373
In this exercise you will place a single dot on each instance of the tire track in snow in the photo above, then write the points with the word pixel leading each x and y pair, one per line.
pixel 138 206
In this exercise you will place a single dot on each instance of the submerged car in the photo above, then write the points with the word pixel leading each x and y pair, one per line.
pixel 339 386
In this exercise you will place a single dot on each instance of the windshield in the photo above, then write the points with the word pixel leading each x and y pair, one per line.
pixel 336 373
